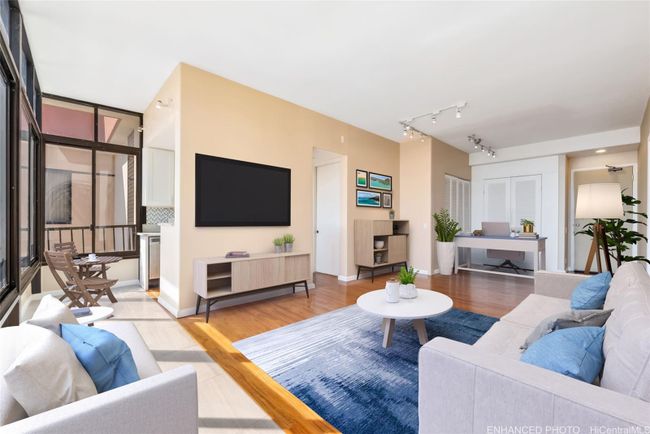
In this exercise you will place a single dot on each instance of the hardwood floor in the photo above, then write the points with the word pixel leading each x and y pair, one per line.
pixel 486 294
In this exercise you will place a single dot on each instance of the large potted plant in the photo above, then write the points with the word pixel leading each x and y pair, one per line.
pixel 446 230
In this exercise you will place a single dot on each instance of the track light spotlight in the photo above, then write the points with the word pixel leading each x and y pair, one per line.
pixel 434 120
pixel 482 148
pixel 458 114
pixel 404 132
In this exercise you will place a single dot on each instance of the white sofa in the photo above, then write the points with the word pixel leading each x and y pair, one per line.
pixel 160 402
pixel 484 387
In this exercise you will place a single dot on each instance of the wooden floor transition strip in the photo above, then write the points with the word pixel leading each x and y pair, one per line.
pixel 291 414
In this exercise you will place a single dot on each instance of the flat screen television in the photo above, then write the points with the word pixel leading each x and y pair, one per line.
pixel 239 193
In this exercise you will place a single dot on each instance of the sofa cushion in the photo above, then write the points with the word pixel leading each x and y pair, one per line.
pixel 565 320
pixel 105 357
pixel 590 293
pixel 535 308
pixel 575 352
pixel 142 356
pixel 47 375
pixel 627 275
pixel 627 345
pixel 51 313
pixel 504 339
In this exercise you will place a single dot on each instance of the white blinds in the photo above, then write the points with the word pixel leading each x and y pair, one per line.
pixel 457 200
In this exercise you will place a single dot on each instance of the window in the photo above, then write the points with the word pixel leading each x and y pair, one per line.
pixel 4 191
pixel 96 181
pixel 26 193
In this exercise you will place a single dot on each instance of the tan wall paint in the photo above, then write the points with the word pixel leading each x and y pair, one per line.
pixel 643 173
pixel 224 118
pixel 445 160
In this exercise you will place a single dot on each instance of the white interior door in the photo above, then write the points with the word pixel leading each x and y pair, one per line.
pixel 525 200
pixel 328 218
pixel 496 196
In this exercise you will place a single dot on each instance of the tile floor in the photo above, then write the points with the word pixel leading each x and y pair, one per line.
pixel 223 406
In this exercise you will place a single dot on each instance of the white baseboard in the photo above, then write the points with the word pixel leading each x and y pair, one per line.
pixel 365 275
pixel 123 283
pixel 171 309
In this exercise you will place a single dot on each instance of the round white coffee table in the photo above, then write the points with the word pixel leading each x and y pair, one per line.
pixel 97 313
pixel 427 304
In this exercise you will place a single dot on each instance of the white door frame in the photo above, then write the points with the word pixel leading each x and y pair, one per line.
pixel 572 207
pixel 343 242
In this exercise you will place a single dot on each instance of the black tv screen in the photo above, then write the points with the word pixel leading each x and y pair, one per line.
pixel 239 193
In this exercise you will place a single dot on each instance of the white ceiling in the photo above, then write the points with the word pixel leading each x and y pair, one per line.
pixel 530 71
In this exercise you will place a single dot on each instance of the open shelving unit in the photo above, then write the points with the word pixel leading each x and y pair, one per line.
pixel 394 234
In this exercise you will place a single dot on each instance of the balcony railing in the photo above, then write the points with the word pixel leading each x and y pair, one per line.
pixel 108 238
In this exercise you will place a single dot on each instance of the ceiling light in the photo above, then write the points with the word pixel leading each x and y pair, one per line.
pixel 458 114
pixel 411 135
pixel 482 148
pixel 434 120
pixel 601 151
pixel 405 132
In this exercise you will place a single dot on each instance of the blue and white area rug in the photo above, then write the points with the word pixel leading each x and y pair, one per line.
pixel 336 365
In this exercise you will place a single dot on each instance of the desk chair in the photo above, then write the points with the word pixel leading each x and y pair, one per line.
pixel 502 229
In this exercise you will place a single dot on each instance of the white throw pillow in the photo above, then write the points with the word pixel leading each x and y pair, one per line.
pixel 13 340
pixel 47 375
pixel 51 313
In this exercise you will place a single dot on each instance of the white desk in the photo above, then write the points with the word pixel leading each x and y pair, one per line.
pixel 537 246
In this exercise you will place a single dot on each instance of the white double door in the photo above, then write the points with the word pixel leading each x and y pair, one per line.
pixel 512 199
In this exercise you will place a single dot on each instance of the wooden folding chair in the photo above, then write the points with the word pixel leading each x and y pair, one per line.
pixel 82 292
pixel 94 271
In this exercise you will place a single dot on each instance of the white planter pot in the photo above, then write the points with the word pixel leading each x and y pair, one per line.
pixel 288 247
pixel 408 291
pixel 279 249
pixel 445 253
pixel 392 291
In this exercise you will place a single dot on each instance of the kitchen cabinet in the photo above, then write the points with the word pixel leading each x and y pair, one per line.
pixel 157 177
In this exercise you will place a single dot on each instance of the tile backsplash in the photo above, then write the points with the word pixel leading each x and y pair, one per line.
pixel 158 215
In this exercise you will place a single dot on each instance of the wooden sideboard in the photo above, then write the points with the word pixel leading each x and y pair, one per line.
pixel 394 234
pixel 220 277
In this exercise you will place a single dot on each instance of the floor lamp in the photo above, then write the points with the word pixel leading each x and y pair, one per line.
pixel 599 201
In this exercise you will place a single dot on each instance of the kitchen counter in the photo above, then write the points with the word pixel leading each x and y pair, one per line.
pixel 148 234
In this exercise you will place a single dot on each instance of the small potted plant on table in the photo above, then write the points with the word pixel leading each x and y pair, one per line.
pixel 288 242
pixel 528 226
pixel 407 282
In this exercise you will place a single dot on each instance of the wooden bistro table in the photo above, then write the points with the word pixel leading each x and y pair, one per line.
pixel 86 265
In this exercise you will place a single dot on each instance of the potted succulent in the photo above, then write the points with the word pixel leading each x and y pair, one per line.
pixel 407 282
pixel 446 230
pixel 528 226
pixel 279 244
pixel 288 242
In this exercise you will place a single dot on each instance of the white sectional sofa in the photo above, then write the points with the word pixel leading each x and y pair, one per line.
pixel 485 388
pixel 159 403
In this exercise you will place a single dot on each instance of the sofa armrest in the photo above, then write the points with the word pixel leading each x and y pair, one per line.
pixel 463 389
pixel 163 403
pixel 553 284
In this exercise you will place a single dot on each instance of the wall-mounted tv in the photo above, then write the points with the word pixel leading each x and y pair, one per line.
pixel 239 193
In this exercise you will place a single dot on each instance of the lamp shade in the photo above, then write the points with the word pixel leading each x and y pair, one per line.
pixel 599 201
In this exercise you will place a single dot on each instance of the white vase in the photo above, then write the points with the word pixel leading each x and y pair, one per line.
pixel 445 253
pixel 288 247
pixel 278 249
pixel 408 291
pixel 392 291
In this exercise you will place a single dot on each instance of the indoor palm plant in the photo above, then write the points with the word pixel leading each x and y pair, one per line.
pixel 620 237
pixel 446 230
pixel 406 278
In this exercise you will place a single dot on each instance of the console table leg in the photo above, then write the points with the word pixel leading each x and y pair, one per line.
pixel 198 304
pixel 372 274
pixel 307 289
pixel 207 310
pixel 358 272
pixel 293 286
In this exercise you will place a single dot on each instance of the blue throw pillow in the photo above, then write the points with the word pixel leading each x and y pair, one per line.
pixel 106 358
pixel 591 292
pixel 576 352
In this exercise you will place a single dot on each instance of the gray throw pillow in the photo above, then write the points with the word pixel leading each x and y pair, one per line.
pixel 568 319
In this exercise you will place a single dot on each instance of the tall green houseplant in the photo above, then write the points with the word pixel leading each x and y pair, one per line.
pixel 620 238
pixel 446 227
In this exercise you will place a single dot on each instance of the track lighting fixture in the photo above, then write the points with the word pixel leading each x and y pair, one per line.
pixel 434 115
pixel 434 120
pixel 458 114
pixel 476 141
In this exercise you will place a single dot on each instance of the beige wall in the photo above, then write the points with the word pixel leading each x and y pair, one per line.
pixel 643 173
pixel 445 160
pixel 423 166
pixel 224 118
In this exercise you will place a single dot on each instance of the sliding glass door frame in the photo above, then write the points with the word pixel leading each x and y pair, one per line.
pixel 97 146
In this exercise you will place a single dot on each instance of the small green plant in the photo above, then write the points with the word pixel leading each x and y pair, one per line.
pixel 446 227
pixel 289 239
pixel 278 242
pixel 407 276
pixel 524 222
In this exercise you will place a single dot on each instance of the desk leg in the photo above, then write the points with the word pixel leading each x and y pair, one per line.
pixel 456 250
pixel 542 260
pixel 536 261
